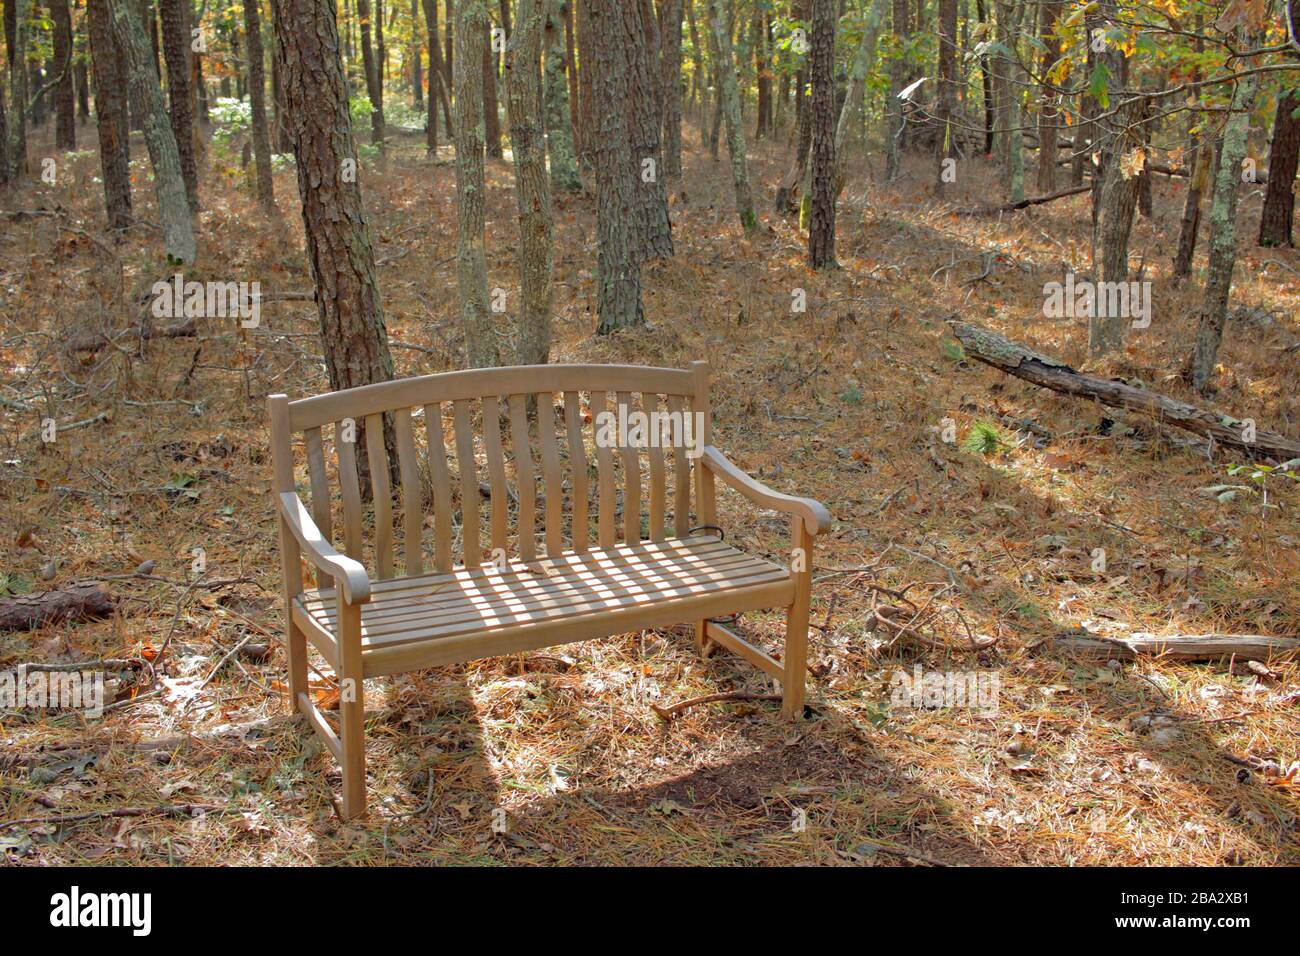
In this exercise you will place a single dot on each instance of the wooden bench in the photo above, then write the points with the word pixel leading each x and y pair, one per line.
pixel 629 544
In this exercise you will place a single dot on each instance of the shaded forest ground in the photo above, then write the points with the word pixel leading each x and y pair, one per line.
pixel 1081 764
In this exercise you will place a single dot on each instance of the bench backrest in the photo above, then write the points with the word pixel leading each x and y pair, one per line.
pixel 566 479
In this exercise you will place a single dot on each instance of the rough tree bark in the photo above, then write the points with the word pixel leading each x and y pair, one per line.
pixel 1115 215
pixel 559 116
pixel 257 100
pixel 176 49
pixel 730 100
pixel 145 89
pixel 670 37
pixel 1049 118
pixel 1223 234
pixel 653 229
pixel 618 268
pixel 339 247
pixel 528 147
pixel 471 259
pixel 110 114
pixel 65 100
pixel 894 118
pixel 491 110
pixel 1279 198
pixel 1201 159
pixel 821 226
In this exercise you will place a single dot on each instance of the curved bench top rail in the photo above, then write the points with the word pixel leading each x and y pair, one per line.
pixel 476 383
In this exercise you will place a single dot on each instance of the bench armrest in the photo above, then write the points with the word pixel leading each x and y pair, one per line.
pixel 349 575
pixel 815 516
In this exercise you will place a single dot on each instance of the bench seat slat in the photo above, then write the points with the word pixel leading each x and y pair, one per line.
pixel 598 582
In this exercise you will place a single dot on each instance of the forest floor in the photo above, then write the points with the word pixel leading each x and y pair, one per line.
pixel 1079 763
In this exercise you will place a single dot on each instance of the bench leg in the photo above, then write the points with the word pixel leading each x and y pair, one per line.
pixel 795 660
pixel 295 643
pixel 703 646
pixel 352 711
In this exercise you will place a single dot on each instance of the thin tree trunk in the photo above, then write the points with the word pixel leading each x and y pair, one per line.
pixel 584 130
pixel 414 52
pixel 1223 233
pixel 65 101
pixel 559 131
pixel 111 118
pixel 895 120
pixel 863 63
pixel 670 32
pixel 730 100
pixel 257 100
pixel 339 247
pixel 947 89
pixel 571 68
pixel 1049 11
pixel 145 89
pixel 821 227
pixel 618 267
pixel 524 107
pixel 372 74
pixel 471 268
pixel 16 12
pixel 1279 197
pixel 1118 204
pixel 1202 154
pixel 176 48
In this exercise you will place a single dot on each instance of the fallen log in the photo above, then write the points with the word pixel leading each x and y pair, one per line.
pixel 1183 647
pixel 1024 203
pixel 76 602
pixel 95 341
pixel 1015 359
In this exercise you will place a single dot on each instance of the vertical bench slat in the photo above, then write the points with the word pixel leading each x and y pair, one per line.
pixel 412 507
pixel 705 510
pixel 441 487
pixel 658 479
pixel 554 485
pixel 524 477
pixel 578 462
pixel 496 462
pixel 631 476
pixel 472 549
pixel 681 472
pixel 383 494
pixel 607 535
pixel 351 490
pixel 320 484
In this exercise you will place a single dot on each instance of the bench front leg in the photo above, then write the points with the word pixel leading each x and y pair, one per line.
pixel 795 660
pixel 352 709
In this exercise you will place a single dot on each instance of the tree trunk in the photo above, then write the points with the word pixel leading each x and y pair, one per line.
pixel 730 100
pixel 257 100
pixel 1202 153
pixel 947 88
pixel 894 118
pixel 414 51
pixel 1115 214
pixel 283 140
pixel 176 48
pixel 339 247
pixel 653 230
pixel 821 225
pixel 65 99
pixel 111 119
pixel 1223 233
pixel 1279 198
pixel 527 146
pixel 4 135
pixel 145 89
pixel 16 12
pixel 82 601
pixel 1049 118
pixel 618 267
pixel 670 33
pixel 371 69
pixel 471 259
pixel 491 111
pixel 863 64
pixel 559 117
pixel 584 131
